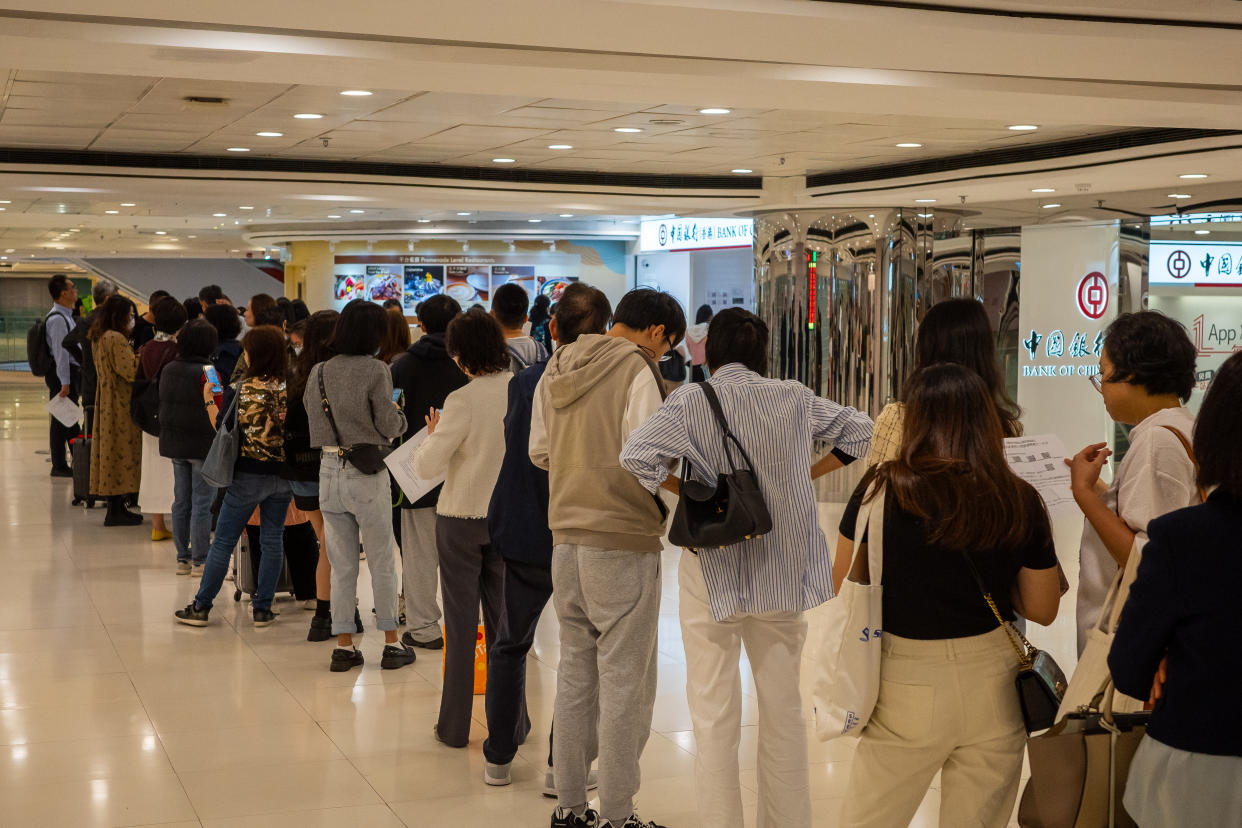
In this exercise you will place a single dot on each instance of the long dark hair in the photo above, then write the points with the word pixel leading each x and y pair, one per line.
pixel 951 471
pixel 958 331
pixel 316 348
pixel 113 316
pixel 265 351
pixel 1218 433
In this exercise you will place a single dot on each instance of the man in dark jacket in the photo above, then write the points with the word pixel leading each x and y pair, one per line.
pixel 100 292
pixel 517 522
pixel 426 375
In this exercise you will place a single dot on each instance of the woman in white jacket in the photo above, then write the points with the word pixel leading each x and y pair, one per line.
pixel 466 444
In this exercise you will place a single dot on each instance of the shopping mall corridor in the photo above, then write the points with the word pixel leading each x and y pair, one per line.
pixel 113 715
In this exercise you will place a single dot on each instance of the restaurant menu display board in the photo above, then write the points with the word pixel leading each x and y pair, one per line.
pixel 470 279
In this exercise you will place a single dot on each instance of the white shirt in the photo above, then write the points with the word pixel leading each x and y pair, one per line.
pixel 1155 478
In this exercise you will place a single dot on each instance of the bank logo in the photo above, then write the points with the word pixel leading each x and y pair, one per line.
pixel 663 235
pixel 1093 295
pixel 1179 264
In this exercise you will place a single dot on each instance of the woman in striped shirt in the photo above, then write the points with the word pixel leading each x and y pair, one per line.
pixel 754 592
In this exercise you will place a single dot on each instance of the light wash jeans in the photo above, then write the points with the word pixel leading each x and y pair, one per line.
pixel 191 511
pixel 271 495
pixel 352 502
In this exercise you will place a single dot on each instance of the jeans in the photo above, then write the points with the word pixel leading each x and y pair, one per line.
pixel 60 434
pixel 191 511
pixel 527 590
pixel 352 501
pixel 420 573
pixel 271 495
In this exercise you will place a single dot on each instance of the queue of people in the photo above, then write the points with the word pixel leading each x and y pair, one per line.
pixel 559 463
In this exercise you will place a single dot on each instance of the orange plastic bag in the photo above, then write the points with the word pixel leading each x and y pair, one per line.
pixel 480 662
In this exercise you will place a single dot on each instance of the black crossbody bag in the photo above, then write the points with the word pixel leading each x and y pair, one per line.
pixel 729 512
pixel 364 457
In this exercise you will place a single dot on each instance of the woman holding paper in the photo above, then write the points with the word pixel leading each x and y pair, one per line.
pixel 466 444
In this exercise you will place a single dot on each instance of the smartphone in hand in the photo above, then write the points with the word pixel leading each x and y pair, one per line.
pixel 213 379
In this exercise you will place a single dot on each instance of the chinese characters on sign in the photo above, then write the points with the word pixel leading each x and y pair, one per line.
pixel 694 234
pixel 1193 264
pixel 1055 348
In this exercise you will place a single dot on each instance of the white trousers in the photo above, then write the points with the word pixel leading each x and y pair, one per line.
pixel 713 687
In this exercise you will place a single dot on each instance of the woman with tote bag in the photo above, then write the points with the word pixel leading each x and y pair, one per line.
pixel 947 700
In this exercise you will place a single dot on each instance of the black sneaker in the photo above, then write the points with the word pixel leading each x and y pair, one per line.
pixel 264 617
pixel 192 616
pixel 65 472
pixel 357 621
pixel 320 628
pixel 565 818
pixel 635 821
pixel 343 660
pixel 396 656
pixel 407 638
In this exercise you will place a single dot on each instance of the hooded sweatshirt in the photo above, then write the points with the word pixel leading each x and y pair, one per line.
pixel 592 395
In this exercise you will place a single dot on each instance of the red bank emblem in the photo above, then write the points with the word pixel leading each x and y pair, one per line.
pixel 1093 295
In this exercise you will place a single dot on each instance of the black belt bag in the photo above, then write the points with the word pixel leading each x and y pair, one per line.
pixel 364 457
pixel 731 511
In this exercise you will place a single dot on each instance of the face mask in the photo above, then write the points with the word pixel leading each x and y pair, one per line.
pixel 297 350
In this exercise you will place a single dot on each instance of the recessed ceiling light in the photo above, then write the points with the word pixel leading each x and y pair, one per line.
pixel 909 145
pixel 534 221
pixel 1050 206
pixel 560 146
pixel 1193 175
pixel 1179 195
pixel 239 149
pixel 925 201
pixel 245 208
pixel 6 201
pixel 128 204
pixel 219 215
pixel 112 212
pixel 465 213
pixel 424 221
pixel 234 250
pixel 715 110
pixel 308 116
pixel 357 212
pixel 1022 128
pixel 627 129
pixel 1202 232
pixel 270 134
pixel 502 160
pixel 1043 190
pixel 191 237
pixel 161 232
pixel 10 250
pixel 567 215
pixel 74 230
pixel 333 216
pixel 742 171
pixel 357 93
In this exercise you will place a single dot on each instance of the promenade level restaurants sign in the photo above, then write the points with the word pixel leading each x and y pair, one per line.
pixel 671 235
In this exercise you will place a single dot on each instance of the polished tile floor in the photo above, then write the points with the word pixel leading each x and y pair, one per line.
pixel 111 714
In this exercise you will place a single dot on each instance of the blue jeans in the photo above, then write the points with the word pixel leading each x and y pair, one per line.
pixel 191 511
pixel 271 495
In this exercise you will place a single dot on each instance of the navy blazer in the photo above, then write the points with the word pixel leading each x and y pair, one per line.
pixel 1184 602
pixel 517 517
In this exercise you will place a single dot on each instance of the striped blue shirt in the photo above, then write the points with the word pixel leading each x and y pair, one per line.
pixel 790 568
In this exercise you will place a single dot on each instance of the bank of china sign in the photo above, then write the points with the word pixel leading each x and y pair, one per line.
pixel 1192 264
pixel 694 234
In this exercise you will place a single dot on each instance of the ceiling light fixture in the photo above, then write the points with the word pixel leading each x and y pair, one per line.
pixel 627 129
pixel 6 201
pixel 1179 195
pixel 357 212
pixel 534 221
pixel 270 134
pixel 502 161
pixel 1043 190
pixel 161 232
pixel 245 208
pixel 741 171
pixel 909 145
pixel 560 146
pixel 219 215
pixel 1022 128
pixel 239 149
pixel 128 204
pixel 424 221
pixel 715 110
pixel 1193 175
pixel 925 201
pixel 1051 205
pixel 1202 232
pixel 308 116
pixel 357 93
pixel 333 216
pixel 463 213
pixel 567 215
pixel 112 212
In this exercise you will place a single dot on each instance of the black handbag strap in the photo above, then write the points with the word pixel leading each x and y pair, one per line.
pixel 713 402
pixel 327 408
pixel 1024 650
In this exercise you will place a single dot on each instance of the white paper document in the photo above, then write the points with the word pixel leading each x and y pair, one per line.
pixel 65 410
pixel 401 464
pixel 1039 459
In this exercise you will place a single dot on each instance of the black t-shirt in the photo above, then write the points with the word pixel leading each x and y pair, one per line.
pixel 929 591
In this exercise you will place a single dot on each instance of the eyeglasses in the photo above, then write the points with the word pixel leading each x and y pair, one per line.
pixel 1097 382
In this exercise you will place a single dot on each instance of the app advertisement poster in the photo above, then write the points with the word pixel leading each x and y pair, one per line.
pixel 421 283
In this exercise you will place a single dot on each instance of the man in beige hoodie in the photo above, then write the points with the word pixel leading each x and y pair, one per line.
pixel 606 560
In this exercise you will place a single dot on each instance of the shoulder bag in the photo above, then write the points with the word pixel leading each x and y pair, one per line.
pixel 729 512
pixel 1041 681
pixel 364 457
pixel 847 682
pixel 225 447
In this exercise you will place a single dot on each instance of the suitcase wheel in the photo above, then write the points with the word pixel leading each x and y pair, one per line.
pixel 90 503
pixel 237 595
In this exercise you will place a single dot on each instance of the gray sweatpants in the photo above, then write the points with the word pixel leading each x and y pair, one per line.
pixel 419 573
pixel 608 604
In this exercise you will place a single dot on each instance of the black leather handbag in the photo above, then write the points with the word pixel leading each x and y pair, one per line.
pixel 729 512
pixel 364 457
pixel 1041 682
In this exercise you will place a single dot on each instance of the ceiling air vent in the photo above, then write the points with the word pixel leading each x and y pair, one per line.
pixel 666 121
pixel 204 100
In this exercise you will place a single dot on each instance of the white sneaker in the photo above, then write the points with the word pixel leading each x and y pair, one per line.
pixel 549 782
pixel 183 567
pixel 308 604
pixel 497 775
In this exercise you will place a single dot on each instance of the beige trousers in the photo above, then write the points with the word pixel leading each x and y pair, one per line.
pixel 948 706
pixel 713 687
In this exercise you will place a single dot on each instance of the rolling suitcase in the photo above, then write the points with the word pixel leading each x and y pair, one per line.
pixel 80 456
pixel 246 570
